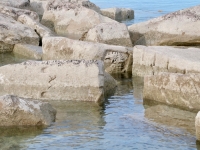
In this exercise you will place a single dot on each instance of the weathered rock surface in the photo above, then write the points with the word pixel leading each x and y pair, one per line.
pixel 71 19
pixel 56 48
pixel 171 117
pixel 13 32
pixel 197 126
pixel 179 28
pixel 118 14
pixel 55 80
pixel 110 33
pixel 15 12
pixel 30 51
pixel 40 29
pixel 152 60
pixel 16 111
pixel 174 89
pixel 16 3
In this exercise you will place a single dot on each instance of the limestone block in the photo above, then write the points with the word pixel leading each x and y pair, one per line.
pixel 13 32
pixel 72 19
pixel 152 60
pixel 78 80
pixel 110 33
pixel 30 51
pixel 15 111
pixel 55 48
pixel 16 3
pixel 180 28
pixel 15 12
pixel 118 14
pixel 180 90
pixel 197 126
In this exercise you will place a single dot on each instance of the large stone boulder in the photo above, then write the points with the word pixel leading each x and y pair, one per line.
pixel 151 60
pixel 118 14
pixel 29 51
pixel 13 32
pixel 16 111
pixel 16 3
pixel 78 80
pixel 15 12
pixel 56 48
pixel 110 33
pixel 197 126
pixel 174 89
pixel 71 19
pixel 177 28
pixel 40 29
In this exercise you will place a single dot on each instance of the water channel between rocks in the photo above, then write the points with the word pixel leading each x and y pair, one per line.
pixel 123 122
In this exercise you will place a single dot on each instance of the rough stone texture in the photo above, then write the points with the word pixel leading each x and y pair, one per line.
pixel 179 28
pixel 174 89
pixel 152 60
pixel 118 14
pixel 197 126
pixel 40 29
pixel 15 12
pixel 13 32
pixel 171 117
pixel 55 80
pixel 30 51
pixel 63 48
pixel 16 111
pixel 110 33
pixel 109 85
pixel 71 19
pixel 16 3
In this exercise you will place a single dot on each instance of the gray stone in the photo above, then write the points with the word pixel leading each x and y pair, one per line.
pixel 55 48
pixel 30 51
pixel 16 111
pixel 78 80
pixel 180 28
pixel 152 60
pixel 16 3
pixel 197 126
pixel 13 32
pixel 180 90
pixel 118 14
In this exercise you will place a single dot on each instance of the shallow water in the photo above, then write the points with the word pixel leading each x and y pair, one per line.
pixel 123 122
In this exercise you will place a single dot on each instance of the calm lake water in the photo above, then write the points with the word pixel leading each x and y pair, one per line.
pixel 124 122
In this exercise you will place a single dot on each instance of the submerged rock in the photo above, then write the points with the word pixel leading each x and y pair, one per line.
pixel 16 111
pixel 71 19
pixel 180 28
pixel 180 90
pixel 13 32
pixel 118 14
pixel 78 80
pixel 63 48
pixel 151 60
pixel 29 51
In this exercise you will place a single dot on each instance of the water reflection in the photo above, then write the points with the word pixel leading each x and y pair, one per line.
pixel 12 137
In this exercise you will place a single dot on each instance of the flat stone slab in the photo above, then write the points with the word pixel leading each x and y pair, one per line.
pixel 181 90
pixel 151 60
pixel 78 80
pixel 30 51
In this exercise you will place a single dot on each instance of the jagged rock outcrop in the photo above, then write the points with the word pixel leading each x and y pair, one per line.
pixel 180 90
pixel 63 48
pixel 118 14
pixel 180 28
pixel 71 19
pixel 110 33
pixel 15 12
pixel 13 32
pixel 151 60
pixel 78 80
pixel 29 51
pixel 16 3
pixel 16 111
